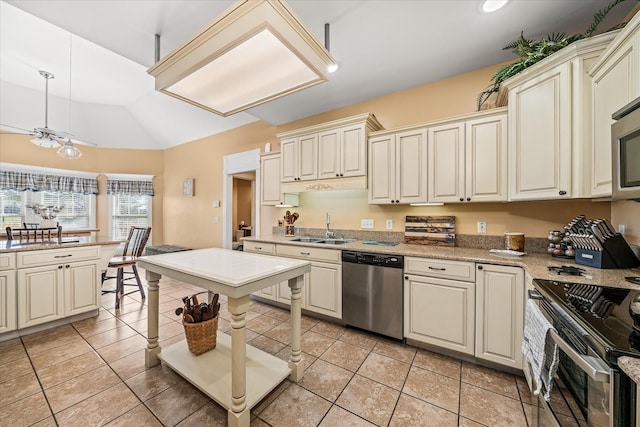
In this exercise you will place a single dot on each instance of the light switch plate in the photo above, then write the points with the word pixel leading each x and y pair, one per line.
pixel 482 227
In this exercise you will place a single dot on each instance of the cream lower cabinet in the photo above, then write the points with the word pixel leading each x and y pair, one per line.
pixel 499 314
pixel 398 167
pixel 322 292
pixel 440 311
pixel 270 293
pixel 53 284
pixel 8 299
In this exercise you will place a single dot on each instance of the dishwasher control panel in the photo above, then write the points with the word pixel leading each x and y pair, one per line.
pixel 392 261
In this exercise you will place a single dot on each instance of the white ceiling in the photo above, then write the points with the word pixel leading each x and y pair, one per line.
pixel 99 51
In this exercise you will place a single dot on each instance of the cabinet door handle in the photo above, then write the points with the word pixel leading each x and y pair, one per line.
pixel 468 199
pixel 59 267
pixel 305 253
pixel 397 201
pixel 562 193
pixel 67 266
pixel 480 267
pixel 437 269
pixel 63 256
pixel 406 277
pixel 461 199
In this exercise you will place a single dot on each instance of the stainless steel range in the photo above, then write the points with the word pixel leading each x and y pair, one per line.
pixel 595 326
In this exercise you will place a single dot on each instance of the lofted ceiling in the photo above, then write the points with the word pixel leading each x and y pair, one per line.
pixel 99 51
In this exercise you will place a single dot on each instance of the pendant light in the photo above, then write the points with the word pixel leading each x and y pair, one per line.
pixel 69 151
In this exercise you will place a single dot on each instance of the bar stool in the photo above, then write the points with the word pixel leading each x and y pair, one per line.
pixel 133 248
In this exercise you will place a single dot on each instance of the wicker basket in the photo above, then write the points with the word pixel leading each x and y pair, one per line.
pixel 201 336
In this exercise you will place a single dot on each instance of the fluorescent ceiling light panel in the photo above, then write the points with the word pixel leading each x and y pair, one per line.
pixel 255 52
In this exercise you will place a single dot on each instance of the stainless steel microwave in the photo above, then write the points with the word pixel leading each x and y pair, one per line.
pixel 625 152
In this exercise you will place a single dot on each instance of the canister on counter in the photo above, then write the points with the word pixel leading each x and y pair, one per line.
pixel 514 242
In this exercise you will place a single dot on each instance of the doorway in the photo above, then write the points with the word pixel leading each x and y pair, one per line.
pixel 243 207
pixel 240 164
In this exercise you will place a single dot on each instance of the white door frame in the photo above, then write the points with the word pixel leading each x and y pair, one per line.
pixel 246 161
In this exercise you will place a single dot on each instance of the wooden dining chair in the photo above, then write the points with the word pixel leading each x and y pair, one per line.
pixel 125 264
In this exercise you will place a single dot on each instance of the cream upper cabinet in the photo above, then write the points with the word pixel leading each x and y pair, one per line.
pixel 540 136
pixel 270 194
pixel 615 80
pixel 335 151
pixel 486 159
pixel 468 159
pixel 8 298
pixel 397 167
pixel 342 152
pixel 299 158
pixel 499 314
pixel 446 163
pixel 550 124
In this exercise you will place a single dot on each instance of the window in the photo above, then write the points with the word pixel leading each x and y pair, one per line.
pixel 11 209
pixel 77 212
pixel 129 210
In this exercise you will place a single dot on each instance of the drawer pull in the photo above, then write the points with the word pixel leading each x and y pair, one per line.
pixel 437 269
pixel 63 256
pixel 305 253
pixel 258 248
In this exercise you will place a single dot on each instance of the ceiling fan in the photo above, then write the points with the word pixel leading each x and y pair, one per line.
pixel 49 138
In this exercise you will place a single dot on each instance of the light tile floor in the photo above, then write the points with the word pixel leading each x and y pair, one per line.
pixel 92 373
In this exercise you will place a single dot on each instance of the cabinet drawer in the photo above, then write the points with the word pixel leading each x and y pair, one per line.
pixel 8 261
pixel 259 247
pixel 455 270
pixel 54 256
pixel 305 252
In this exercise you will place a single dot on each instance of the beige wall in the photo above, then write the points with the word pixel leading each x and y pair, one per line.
pixel 190 221
pixel 627 213
pixel 17 149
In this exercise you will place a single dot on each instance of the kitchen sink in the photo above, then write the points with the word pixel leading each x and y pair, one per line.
pixel 307 239
pixel 322 240
pixel 335 241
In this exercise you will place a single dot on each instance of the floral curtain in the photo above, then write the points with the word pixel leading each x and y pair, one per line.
pixel 23 181
pixel 143 188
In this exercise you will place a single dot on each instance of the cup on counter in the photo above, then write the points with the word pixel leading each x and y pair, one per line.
pixel 514 242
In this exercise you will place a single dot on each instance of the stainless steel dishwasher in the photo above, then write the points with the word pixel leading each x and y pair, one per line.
pixel 372 292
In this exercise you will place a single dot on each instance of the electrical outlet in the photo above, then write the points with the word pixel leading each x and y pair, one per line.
pixel 216 219
pixel 621 229
pixel 482 227
pixel 389 224
pixel 366 223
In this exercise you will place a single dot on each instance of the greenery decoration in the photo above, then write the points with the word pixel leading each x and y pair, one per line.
pixel 533 51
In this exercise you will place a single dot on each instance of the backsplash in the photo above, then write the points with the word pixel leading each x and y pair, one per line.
pixel 476 241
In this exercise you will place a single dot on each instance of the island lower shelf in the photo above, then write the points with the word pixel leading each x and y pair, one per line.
pixel 211 372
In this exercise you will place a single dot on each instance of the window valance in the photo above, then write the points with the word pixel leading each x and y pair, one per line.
pixel 142 188
pixel 23 181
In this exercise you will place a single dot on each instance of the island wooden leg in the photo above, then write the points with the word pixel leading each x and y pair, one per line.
pixel 239 414
pixel 295 360
pixel 153 347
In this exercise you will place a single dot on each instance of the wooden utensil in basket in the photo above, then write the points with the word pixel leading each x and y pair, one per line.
pixel 200 321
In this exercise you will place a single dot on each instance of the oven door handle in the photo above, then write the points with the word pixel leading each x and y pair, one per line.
pixel 590 365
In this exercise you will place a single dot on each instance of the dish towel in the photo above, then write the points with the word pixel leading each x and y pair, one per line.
pixel 539 349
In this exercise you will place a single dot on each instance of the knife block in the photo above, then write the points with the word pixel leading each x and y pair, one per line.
pixel 616 253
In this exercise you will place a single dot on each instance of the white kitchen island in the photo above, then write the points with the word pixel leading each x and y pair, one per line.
pixel 222 372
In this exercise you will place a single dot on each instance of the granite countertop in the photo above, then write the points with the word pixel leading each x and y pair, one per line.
pixel 631 367
pixel 535 264
pixel 65 242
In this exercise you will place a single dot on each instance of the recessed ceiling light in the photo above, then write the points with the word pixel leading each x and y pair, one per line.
pixel 493 5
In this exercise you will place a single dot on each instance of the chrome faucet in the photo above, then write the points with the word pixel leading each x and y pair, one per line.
pixel 328 234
